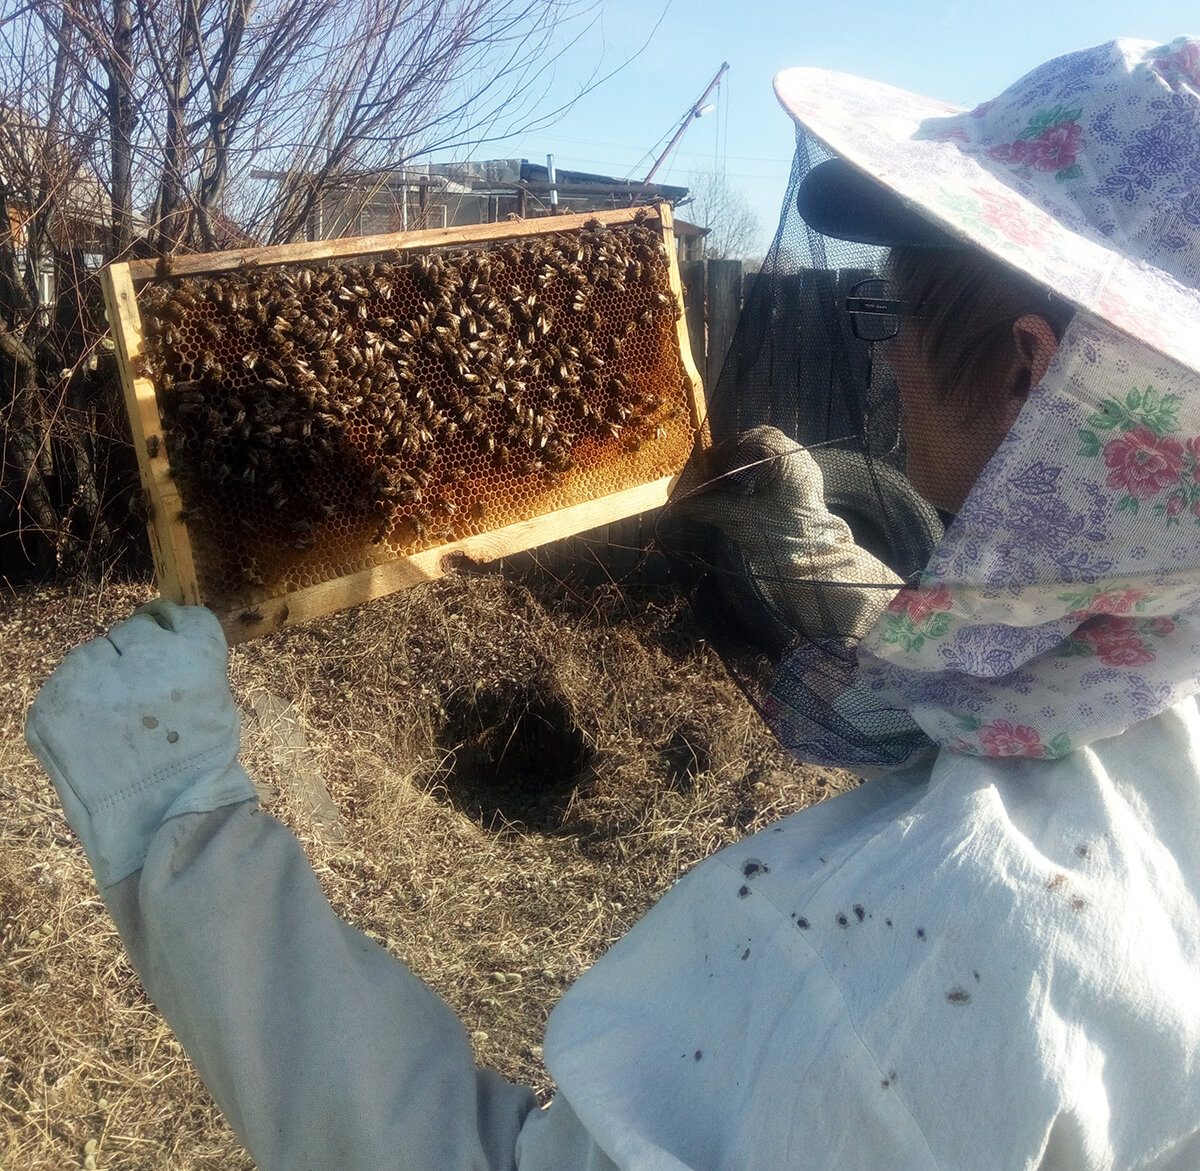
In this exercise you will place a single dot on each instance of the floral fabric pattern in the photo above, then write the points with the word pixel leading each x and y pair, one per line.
pixel 1116 641
pixel 1178 62
pixel 1004 738
pixel 1145 459
pixel 1085 174
pixel 1061 606
pixel 916 615
pixel 1049 143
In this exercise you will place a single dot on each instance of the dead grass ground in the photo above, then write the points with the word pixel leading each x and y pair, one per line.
pixel 520 769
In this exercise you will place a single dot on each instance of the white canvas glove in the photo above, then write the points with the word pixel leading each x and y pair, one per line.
pixel 766 493
pixel 137 727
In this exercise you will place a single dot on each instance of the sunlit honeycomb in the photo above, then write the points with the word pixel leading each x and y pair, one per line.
pixel 322 420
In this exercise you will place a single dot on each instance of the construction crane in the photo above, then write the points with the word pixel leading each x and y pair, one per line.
pixel 698 110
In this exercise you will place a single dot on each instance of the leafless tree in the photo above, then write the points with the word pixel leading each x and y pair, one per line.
pixel 135 125
pixel 719 206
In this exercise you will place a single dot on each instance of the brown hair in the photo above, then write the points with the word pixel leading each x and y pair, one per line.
pixel 968 303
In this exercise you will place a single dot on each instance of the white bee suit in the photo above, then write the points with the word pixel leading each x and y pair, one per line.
pixel 990 965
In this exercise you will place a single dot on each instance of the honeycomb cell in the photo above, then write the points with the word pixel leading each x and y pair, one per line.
pixel 320 420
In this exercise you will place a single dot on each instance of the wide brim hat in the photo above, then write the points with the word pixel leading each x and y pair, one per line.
pixel 1084 175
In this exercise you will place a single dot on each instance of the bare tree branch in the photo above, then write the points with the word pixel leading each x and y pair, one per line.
pixel 717 205
pixel 134 126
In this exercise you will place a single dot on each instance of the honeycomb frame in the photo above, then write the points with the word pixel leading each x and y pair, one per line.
pixel 323 423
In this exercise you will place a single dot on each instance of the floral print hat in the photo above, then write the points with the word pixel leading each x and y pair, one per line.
pixel 1063 603
pixel 1085 174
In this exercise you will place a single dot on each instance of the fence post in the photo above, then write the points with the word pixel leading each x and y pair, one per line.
pixel 691 273
pixel 724 307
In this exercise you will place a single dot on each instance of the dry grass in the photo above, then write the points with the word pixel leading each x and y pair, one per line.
pixel 520 769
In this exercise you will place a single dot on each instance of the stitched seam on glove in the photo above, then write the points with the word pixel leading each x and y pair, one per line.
pixel 162 774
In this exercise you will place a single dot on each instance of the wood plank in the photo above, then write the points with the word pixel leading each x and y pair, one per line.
pixel 353 590
pixel 681 331
pixel 169 542
pixel 320 250
pixel 691 274
pixel 298 766
pixel 724 308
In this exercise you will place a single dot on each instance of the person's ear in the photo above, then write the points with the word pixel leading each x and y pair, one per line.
pixel 1034 345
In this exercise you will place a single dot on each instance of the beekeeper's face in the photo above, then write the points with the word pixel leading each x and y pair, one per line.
pixel 945 452
pixel 949 445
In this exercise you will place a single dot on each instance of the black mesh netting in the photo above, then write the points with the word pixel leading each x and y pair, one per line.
pixel 797 526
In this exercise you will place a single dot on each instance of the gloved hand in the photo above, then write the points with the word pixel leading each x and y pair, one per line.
pixel 137 727
pixel 765 493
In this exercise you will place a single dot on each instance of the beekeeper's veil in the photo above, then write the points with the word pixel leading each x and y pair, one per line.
pixel 1059 604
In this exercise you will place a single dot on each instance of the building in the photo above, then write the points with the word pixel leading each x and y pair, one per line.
pixel 447 195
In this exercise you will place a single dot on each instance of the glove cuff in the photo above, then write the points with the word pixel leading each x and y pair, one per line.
pixel 119 833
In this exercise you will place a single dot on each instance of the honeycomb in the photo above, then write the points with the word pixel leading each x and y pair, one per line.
pixel 323 419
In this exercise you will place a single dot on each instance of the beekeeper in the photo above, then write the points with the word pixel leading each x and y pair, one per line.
pixel 988 957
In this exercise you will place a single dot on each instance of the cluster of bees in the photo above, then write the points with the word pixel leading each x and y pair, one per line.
pixel 403 402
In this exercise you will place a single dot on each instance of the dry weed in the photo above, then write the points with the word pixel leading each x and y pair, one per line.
pixel 519 770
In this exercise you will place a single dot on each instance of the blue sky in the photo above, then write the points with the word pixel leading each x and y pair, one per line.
pixel 963 51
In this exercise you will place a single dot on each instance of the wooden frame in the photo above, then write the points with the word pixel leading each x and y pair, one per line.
pixel 170 543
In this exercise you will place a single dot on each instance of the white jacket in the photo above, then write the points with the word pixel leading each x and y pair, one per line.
pixel 993 964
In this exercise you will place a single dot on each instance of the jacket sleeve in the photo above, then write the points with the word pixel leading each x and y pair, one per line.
pixel 321 1049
